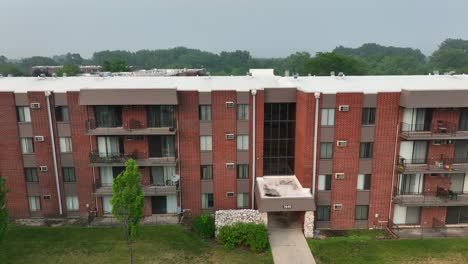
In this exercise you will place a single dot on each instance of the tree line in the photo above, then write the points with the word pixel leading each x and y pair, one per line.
pixel 368 59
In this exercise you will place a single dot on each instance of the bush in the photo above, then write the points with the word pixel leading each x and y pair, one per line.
pixel 255 236
pixel 204 225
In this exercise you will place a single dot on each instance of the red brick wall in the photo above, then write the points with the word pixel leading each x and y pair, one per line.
pixel 189 152
pixel 260 113
pixel 136 113
pixel 224 151
pixel 11 159
pixel 43 154
pixel 386 121
pixel 435 152
pixel 81 148
pixel 432 182
pixel 305 118
pixel 346 159
pixel 433 215
pixel 140 147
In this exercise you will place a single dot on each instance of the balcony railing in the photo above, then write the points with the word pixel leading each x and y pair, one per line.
pixel 442 129
pixel 438 197
pixel 100 157
pixel 435 164
pixel 133 126
pixel 111 123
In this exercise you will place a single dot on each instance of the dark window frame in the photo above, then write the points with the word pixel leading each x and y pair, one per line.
pixel 208 169
pixel 366 150
pixel 31 175
pixel 60 115
pixel 242 169
pixel 329 148
pixel 68 174
pixel 323 213
pixel 360 213
pixel 368 116
pixel 203 115
pixel 242 112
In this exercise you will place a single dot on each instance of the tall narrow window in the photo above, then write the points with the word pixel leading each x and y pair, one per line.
pixel 362 212
pixel 363 183
pixel 242 112
pixel 204 112
pixel 34 203
pixel 162 175
pixel 161 146
pixel 242 171
pixel 24 114
pixel 242 200
pixel 206 172
pixel 160 116
pixel 328 117
pixel 205 143
pixel 108 146
pixel 108 116
pixel 324 182
pixel 323 213
pixel 27 145
pixel 72 202
pixel 365 150
pixel 368 116
pixel 326 150
pixel 106 176
pixel 65 144
pixel 207 200
pixel 31 174
pixel 242 142
pixel 61 114
pixel 68 174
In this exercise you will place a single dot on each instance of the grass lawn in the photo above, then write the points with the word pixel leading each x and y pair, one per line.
pixel 363 247
pixel 156 244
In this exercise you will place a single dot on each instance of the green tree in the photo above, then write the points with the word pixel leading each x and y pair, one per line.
pixel 70 70
pixel 3 209
pixel 6 69
pixel 115 65
pixel 324 63
pixel 452 55
pixel 127 202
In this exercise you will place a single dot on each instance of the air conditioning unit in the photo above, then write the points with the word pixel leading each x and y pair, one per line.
pixel 339 176
pixel 229 194
pixel 343 108
pixel 46 197
pixel 43 168
pixel 230 165
pixel 35 105
pixel 341 143
pixel 229 136
pixel 338 206
pixel 38 138
pixel 230 104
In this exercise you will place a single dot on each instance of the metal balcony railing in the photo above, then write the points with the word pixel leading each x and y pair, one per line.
pixel 108 123
pixel 440 129
pixel 437 163
pixel 132 124
pixel 102 157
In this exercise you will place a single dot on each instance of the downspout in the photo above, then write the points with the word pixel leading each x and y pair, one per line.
pixel 393 173
pixel 254 92
pixel 314 166
pixel 178 164
pixel 54 156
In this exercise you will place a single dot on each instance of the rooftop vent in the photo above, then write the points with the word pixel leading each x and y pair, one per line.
pixel 332 73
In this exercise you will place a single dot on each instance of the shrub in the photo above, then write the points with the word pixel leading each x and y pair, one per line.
pixel 204 225
pixel 255 236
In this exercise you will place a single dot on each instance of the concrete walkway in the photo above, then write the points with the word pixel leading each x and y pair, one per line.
pixel 414 233
pixel 288 244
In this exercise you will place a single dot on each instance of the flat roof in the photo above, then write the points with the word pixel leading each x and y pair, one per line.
pixel 310 84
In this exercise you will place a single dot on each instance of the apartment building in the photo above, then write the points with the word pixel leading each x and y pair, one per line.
pixel 360 152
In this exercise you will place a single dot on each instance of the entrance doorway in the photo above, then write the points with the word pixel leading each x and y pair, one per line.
pixel 159 204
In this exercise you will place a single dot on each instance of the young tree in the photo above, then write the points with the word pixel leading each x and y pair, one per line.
pixel 3 209
pixel 69 69
pixel 127 202
pixel 324 63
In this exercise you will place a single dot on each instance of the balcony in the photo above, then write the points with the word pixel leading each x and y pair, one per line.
pixel 169 188
pixel 439 197
pixel 142 158
pixel 441 131
pixel 433 165
pixel 131 127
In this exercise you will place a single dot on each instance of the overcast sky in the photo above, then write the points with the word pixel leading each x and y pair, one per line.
pixel 266 28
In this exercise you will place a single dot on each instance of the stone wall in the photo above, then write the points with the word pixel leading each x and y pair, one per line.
pixel 229 217
pixel 309 224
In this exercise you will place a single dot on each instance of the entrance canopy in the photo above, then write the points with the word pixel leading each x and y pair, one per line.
pixel 282 193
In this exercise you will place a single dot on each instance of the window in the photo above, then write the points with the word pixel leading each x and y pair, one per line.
pixel 279 135
pixel 68 174
pixel 204 112
pixel 61 113
pixel 24 114
pixel 365 150
pixel 161 175
pixel 368 116
pixel 72 202
pixel 242 112
pixel 65 144
pixel 363 182
pixel 108 116
pixel 242 142
pixel 323 213
pixel 242 171
pixel 206 172
pixel 326 150
pixel 205 143
pixel 161 146
pixel 362 212
pixel 328 117
pixel 242 200
pixel 34 203
pixel 108 146
pixel 31 175
pixel 160 116
pixel 207 200
pixel 27 145
pixel 324 182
